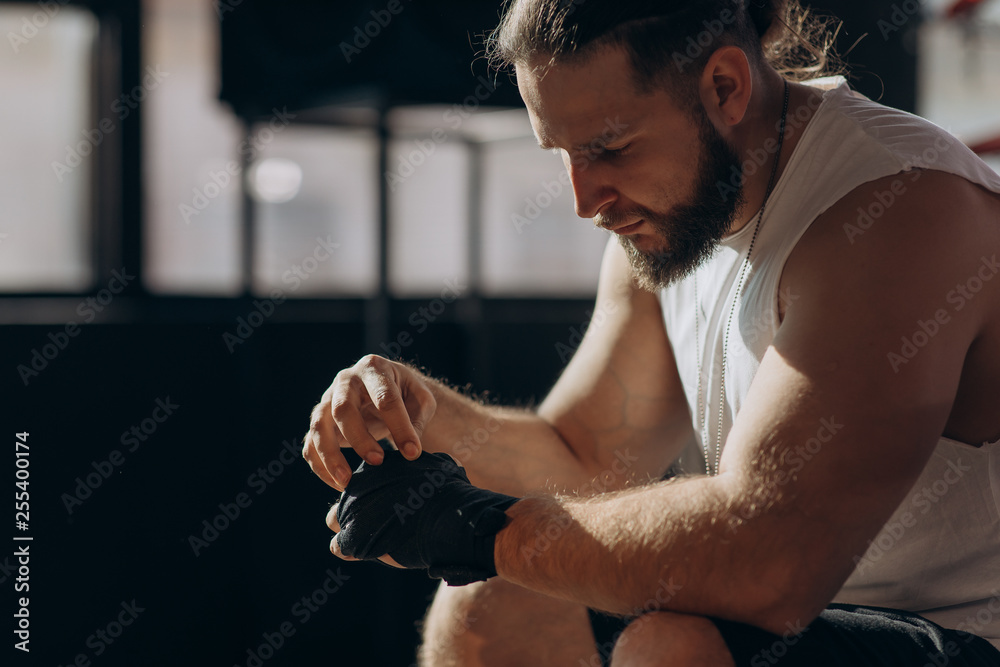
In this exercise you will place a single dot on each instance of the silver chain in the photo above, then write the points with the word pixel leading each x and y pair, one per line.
pixel 714 469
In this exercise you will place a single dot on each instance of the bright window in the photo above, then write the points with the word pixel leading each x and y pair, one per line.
pixel 49 138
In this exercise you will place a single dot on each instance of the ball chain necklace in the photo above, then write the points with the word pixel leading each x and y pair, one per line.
pixel 710 468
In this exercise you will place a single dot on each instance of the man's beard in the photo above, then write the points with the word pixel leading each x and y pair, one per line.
pixel 689 232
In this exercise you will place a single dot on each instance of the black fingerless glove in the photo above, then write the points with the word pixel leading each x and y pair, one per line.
pixel 425 514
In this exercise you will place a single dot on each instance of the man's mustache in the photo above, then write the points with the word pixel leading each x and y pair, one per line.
pixel 613 219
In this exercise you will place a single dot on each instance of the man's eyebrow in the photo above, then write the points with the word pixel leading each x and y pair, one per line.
pixel 598 141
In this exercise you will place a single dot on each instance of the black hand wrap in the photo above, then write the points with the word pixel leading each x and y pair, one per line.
pixel 425 514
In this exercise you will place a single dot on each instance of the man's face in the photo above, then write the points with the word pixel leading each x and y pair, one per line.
pixel 639 164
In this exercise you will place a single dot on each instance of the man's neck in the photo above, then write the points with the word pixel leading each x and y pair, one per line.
pixel 760 139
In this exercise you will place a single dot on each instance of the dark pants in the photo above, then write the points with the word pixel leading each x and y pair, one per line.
pixel 842 636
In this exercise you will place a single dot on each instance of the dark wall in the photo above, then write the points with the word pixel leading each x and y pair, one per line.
pixel 878 41
pixel 128 538
pixel 301 53
pixel 426 52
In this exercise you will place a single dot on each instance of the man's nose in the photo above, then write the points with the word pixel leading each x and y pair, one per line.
pixel 591 190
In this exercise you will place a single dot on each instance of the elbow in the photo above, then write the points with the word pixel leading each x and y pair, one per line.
pixel 787 601
pixel 793 568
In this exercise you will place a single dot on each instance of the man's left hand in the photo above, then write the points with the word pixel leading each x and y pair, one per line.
pixel 421 514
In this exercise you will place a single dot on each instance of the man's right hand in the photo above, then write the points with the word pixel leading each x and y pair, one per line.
pixel 374 399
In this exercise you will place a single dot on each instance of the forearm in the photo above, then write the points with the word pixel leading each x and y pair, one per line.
pixel 509 450
pixel 666 546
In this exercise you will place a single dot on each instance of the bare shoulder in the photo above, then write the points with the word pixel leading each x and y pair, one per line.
pixel 877 343
pixel 915 236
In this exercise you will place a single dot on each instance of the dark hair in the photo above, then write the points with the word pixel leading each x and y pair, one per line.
pixel 666 40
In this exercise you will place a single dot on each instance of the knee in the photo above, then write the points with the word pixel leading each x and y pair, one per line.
pixel 683 639
pixel 498 623
pixel 453 612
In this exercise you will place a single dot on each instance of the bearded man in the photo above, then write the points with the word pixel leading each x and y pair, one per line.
pixel 782 444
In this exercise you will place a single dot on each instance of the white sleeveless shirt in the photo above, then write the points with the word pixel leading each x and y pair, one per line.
pixel 939 554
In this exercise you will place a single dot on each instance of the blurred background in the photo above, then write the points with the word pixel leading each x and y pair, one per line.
pixel 209 208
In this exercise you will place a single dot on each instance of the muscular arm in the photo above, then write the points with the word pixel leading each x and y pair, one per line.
pixel 771 539
pixel 616 415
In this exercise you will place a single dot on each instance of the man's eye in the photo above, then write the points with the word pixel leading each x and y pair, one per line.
pixel 616 152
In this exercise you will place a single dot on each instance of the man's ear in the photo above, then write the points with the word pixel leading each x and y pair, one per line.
pixel 725 86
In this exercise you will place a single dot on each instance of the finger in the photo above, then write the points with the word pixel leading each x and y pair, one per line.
pixel 333 459
pixel 311 454
pixel 324 440
pixel 335 550
pixel 331 518
pixel 383 389
pixel 345 408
